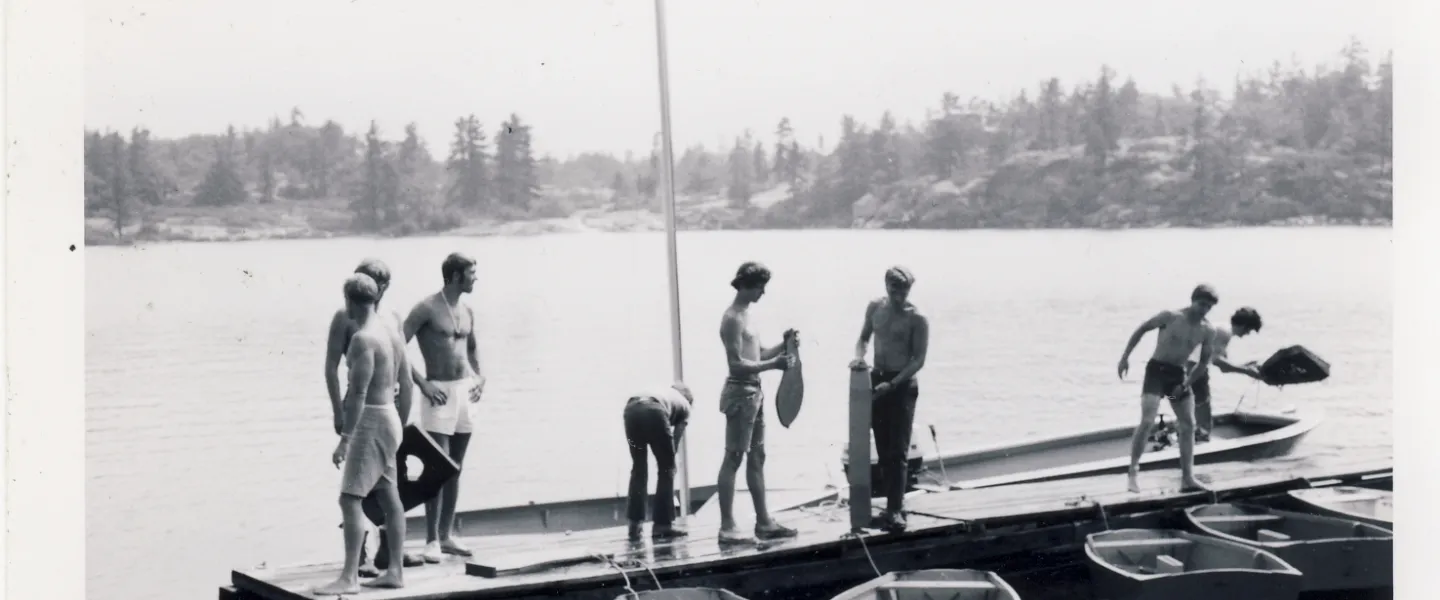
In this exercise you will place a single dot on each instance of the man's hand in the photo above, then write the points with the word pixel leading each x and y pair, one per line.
pixel 793 333
pixel 1180 391
pixel 859 364
pixel 1123 367
pixel 883 389
pixel 433 393
pixel 782 362
pixel 340 451
pixel 478 389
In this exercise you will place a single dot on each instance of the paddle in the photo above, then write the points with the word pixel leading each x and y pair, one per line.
pixel 792 385
pixel 861 395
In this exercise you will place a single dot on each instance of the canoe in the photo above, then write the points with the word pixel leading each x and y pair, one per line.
pixel 682 594
pixel 1372 506
pixel 1235 436
pixel 933 584
pixel 1165 564
pixel 1331 553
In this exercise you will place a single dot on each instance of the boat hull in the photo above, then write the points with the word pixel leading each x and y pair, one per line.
pixel 682 594
pixel 1236 436
pixel 933 584
pixel 1366 505
pixel 1212 568
pixel 550 517
pixel 1331 553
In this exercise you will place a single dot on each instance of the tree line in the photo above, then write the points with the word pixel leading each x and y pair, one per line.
pixel 1325 122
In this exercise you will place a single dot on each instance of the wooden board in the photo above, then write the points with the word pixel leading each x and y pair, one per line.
pixel 861 397
pixel 792 387
pixel 501 564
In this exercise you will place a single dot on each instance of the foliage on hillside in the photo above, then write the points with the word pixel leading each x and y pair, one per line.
pixel 1288 144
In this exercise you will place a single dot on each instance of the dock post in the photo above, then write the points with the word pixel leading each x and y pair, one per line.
pixel 860 399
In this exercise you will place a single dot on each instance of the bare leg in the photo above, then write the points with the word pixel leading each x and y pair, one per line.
pixel 1185 423
pixel 755 478
pixel 433 510
pixel 726 482
pixel 349 580
pixel 450 495
pixel 394 576
pixel 1149 406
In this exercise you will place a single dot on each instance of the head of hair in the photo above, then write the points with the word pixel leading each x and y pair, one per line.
pixel 900 276
pixel 1246 317
pixel 376 270
pixel 1204 291
pixel 360 288
pixel 455 265
pixel 750 275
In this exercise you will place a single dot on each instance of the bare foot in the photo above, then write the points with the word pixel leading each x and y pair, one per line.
pixel 454 547
pixel 1133 482
pixel 388 581
pixel 338 587
pixel 1191 485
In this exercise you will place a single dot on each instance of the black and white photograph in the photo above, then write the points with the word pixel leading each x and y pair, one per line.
pixel 704 299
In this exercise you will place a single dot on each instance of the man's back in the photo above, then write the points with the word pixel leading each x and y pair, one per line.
pixel 375 348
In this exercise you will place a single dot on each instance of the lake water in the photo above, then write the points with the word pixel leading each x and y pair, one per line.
pixel 208 427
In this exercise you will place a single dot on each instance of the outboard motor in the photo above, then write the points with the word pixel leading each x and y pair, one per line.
pixel 914 459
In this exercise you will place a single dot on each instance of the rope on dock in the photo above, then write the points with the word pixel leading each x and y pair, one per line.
pixel 866 548
pixel 607 560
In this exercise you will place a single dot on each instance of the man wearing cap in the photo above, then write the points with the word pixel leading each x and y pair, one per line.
pixel 743 403
pixel 654 421
pixel 902 338
pixel 1167 375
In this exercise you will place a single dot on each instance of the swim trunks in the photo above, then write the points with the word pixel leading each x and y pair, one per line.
pixel 453 416
pixel 1162 378
pixel 743 403
pixel 371 453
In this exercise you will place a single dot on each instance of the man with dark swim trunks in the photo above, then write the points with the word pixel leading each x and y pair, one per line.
pixel 1244 322
pixel 1180 332
pixel 902 338
pixel 445 330
pixel 743 403
pixel 342 329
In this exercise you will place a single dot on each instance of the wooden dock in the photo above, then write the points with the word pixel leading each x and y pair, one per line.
pixel 947 529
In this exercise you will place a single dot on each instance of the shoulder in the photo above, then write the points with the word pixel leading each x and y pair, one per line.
pixel 339 320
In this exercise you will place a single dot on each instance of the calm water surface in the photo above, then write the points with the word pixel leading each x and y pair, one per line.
pixel 208 427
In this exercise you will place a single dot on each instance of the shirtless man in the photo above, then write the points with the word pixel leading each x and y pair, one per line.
pixel 342 328
pixel 743 403
pixel 1244 322
pixel 451 384
pixel 902 338
pixel 1181 331
pixel 374 419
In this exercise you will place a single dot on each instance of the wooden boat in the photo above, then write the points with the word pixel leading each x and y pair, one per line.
pixel 1165 564
pixel 933 584
pixel 1331 553
pixel 1372 506
pixel 682 594
pixel 1234 436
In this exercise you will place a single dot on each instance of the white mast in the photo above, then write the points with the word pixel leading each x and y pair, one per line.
pixel 667 187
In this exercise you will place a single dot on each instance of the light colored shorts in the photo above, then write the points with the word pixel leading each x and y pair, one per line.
pixel 453 416
pixel 372 453
pixel 743 403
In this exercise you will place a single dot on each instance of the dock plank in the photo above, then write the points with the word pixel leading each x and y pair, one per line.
pixel 945 524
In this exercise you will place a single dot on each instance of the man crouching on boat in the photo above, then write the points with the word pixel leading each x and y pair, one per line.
pixel 445 330
pixel 743 403
pixel 1180 332
pixel 1245 321
pixel 902 339
pixel 370 437
pixel 654 422
pixel 342 328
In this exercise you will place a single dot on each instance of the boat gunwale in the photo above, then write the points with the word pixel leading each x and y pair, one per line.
pixel 1202 540
pixel 1196 522
pixel 1294 427
pixel 1006 591
pixel 1326 509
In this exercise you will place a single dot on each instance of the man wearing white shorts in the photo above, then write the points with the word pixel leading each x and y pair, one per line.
pixel 451 384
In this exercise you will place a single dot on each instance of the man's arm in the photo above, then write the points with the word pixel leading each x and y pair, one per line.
pixel 419 316
pixel 920 337
pixel 866 331
pixel 473 348
pixel 405 399
pixel 1207 353
pixel 730 336
pixel 1154 322
pixel 362 371
pixel 334 349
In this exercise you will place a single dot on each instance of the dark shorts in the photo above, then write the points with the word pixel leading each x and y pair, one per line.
pixel 1162 378
pixel 1201 387
pixel 743 403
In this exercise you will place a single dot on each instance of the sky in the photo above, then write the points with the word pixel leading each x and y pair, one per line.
pixel 584 73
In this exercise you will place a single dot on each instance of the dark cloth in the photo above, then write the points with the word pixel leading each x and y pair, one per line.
pixel 436 470
pixel 1161 379
pixel 892 416
pixel 648 430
